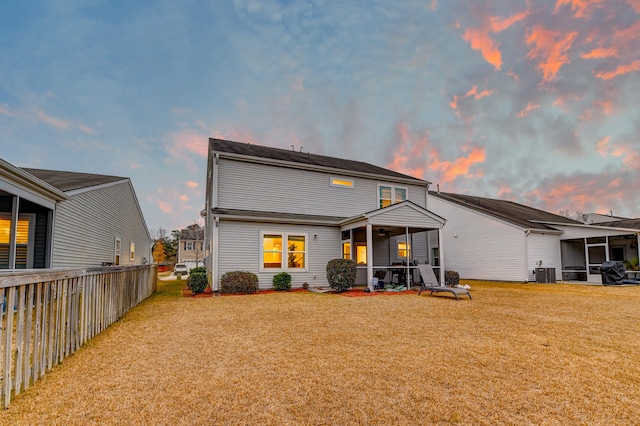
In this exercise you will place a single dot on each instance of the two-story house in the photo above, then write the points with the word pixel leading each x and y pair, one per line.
pixel 270 210
pixel 191 247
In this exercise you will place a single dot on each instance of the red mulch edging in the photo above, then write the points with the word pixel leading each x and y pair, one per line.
pixel 362 293
pixel 348 293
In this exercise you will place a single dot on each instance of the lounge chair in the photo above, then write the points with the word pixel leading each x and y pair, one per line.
pixel 430 283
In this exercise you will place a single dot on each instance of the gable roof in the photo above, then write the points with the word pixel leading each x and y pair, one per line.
pixel 626 223
pixel 70 181
pixel 192 234
pixel 508 211
pixel 296 158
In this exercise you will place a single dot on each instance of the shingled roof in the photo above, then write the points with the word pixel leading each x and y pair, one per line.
pixel 508 211
pixel 296 157
pixel 626 223
pixel 69 181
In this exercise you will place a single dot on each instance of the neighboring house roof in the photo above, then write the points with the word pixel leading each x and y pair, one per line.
pixel 192 234
pixel 13 175
pixel 508 211
pixel 70 181
pixel 627 223
pixel 297 158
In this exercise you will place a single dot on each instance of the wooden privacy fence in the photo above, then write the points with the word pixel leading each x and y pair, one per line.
pixel 48 315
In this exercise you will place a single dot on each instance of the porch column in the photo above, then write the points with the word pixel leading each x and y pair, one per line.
pixel 13 232
pixel 441 250
pixel 407 257
pixel 369 256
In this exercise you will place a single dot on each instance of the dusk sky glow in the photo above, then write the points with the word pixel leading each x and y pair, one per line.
pixel 534 101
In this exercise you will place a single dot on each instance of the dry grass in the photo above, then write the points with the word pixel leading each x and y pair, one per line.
pixel 516 354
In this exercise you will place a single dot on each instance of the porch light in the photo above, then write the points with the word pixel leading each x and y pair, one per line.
pixel 382 232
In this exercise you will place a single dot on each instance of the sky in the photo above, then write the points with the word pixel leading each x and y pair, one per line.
pixel 534 101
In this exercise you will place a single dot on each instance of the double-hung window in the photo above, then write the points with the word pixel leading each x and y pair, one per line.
pixel 283 251
pixel 388 195
pixel 404 249
pixel 190 245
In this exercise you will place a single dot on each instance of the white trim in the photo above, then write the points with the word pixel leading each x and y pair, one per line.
pixel 284 251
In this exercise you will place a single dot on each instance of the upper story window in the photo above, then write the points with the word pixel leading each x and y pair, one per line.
pixel 189 245
pixel 388 195
pixel 341 182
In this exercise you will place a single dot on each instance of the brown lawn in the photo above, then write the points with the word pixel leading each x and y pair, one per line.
pixel 515 354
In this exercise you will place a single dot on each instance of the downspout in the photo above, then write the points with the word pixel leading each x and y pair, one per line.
pixel 526 255
pixel 214 252
pixel 214 235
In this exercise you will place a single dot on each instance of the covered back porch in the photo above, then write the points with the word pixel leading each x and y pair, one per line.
pixel 388 244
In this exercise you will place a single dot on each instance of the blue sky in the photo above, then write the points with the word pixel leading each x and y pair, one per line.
pixel 534 101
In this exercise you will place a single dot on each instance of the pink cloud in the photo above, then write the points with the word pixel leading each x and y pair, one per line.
pixel 581 8
pixel 479 39
pixel 165 207
pixel 408 158
pixel 620 70
pixel 461 166
pixel 600 53
pixel 183 198
pixel 499 24
pixel 603 146
pixel 530 107
pixel 474 92
pixel 192 184
pixel 4 110
pixel 550 49
pixel 52 121
pixel 635 5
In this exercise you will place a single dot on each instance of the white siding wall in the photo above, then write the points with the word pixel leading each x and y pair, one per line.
pixel 87 224
pixel 252 186
pixel 544 247
pixel 241 242
pixel 480 247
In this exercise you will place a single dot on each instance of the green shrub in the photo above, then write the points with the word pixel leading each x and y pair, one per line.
pixel 282 281
pixel 451 278
pixel 198 270
pixel 239 282
pixel 341 274
pixel 197 282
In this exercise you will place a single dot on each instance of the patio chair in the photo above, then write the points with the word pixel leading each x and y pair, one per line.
pixel 430 284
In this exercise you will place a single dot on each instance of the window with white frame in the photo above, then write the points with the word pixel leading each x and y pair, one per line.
pixel 388 195
pixel 341 182
pixel 117 250
pixel 132 251
pixel 190 245
pixel 283 251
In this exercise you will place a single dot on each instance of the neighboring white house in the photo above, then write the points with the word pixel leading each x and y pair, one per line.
pixel 493 239
pixel 57 219
pixel 270 210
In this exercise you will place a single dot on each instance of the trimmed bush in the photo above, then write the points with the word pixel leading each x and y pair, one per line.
pixel 239 282
pixel 282 281
pixel 197 282
pixel 198 270
pixel 341 274
pixel 451 278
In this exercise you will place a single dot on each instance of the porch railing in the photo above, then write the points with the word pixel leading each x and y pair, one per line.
pixel 48 315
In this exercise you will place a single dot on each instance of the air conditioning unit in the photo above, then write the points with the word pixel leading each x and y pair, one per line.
pixel 545 275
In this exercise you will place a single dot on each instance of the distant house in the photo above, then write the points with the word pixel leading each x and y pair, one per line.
pixel 271 210
pixel 191 247
pixel 57 219
pixel 501 240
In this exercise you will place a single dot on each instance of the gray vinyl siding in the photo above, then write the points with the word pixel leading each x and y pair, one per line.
pixel 478 246
pixel 241 243
pixel 545 248
pixel 88 223
pixel 253 186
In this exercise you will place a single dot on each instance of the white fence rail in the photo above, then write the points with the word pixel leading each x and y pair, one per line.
pixel 48 315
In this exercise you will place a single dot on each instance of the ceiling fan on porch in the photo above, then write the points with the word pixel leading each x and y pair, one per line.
pixel 382 232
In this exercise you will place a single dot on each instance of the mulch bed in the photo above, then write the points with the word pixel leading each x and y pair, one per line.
pixel 354 292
